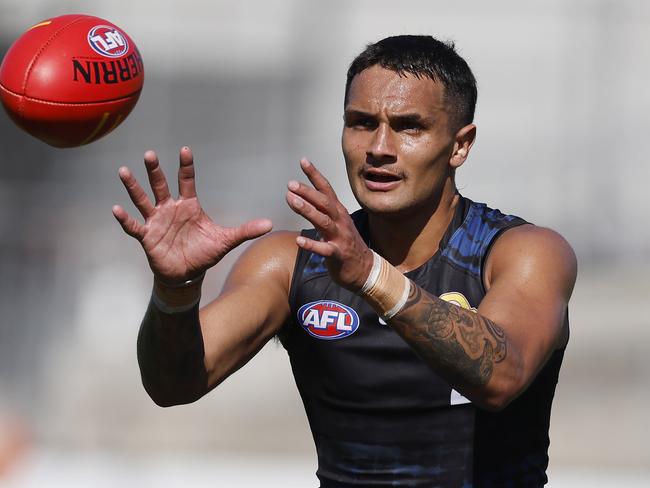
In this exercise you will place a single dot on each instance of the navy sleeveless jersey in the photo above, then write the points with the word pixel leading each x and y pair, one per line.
pixel 378 414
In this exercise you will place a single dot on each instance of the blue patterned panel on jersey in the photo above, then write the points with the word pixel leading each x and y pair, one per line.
pixel 315 264
pixel 468 246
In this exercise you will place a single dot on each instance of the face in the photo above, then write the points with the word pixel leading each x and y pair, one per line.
pixel 399 150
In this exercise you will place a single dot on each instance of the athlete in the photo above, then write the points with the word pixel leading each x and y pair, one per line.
pixel 425 331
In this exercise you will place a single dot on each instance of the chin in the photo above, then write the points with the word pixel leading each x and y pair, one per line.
pixel 385 205
pixel 393 206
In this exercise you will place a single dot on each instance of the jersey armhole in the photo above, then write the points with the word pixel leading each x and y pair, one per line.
pixel 294 274
pixel 488 250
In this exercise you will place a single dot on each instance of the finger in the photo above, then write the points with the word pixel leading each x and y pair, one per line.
pixel 157 178
pixel 135 191
pixel 249 230
pixel 318 199
pixel 316 178
pixel 186 181
pixel 325 249
pixel 128 223
pixel 320 220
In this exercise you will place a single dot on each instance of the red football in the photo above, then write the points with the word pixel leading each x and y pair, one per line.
pixel 71 80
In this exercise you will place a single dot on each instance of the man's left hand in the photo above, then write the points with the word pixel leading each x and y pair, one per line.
pixel 348 258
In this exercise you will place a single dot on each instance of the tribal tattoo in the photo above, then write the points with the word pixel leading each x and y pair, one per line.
pixel 171 356
pixel 464 344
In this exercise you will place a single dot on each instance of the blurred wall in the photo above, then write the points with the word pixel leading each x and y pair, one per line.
pixel 252 86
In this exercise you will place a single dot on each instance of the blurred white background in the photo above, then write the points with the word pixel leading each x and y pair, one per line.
pixel 563 118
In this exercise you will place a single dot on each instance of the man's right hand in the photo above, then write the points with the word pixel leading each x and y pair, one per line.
pixel 180 240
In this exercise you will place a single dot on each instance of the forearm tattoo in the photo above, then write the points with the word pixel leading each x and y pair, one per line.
pixel 464 345
pixel 170 355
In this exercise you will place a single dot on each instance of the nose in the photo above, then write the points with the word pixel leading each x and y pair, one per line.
pixel 381 149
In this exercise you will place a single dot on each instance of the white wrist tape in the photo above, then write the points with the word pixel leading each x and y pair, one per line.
pixel 374 273
pixel 177 297
pixel 386 288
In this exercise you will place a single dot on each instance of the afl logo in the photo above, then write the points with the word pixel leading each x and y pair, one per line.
pixel 108 41
pixel 328 320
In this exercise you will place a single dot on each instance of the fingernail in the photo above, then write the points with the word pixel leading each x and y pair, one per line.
pixel 297 202
pixel 300 240
pixel 304 162
pixel 293 185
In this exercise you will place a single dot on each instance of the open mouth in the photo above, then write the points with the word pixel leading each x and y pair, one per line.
pixel 381 177
pixel 377 180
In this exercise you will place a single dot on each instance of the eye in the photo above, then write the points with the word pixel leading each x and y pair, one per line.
pixel 408 126
pixel 360 122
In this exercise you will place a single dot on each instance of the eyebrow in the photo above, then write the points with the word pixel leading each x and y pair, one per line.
pixel 415 117
pixel 356 113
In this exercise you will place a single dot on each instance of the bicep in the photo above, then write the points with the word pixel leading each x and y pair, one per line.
pixel 252 307
pixel 530 274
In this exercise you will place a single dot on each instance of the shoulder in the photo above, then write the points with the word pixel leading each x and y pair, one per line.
pixel 532 251
pixel 282 241
pixel 270 256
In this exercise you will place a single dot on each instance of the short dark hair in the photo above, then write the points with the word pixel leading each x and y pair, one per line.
pixel 424 56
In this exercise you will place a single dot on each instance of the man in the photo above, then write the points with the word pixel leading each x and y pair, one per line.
pixel 425 331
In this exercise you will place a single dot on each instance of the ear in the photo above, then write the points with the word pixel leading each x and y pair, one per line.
pixel 463 142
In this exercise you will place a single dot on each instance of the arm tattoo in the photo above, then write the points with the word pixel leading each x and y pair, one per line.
pixel 170 356
pixel 462 344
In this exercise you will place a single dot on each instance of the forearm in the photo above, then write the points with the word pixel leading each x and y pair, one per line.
pixel 470 351
pixel 463 346
pixel 171 355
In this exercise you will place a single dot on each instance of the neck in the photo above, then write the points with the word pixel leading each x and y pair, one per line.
pixel 407 242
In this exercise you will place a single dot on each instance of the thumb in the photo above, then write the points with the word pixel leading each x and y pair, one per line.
pixel 250 230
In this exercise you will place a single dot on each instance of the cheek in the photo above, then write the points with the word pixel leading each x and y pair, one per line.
pixel 352 145
pixel 354 155
pixel 428 166
pixel 426 154
pixel 352 160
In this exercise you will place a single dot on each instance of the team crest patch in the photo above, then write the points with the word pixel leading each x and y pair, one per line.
pixel 457 298
pixel 328 320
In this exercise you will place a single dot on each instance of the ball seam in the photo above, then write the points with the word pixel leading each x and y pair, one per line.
pixel 38 54
pixel 69 104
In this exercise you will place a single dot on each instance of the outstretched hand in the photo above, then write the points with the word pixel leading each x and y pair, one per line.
pixel 178 237
pixel 348 259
